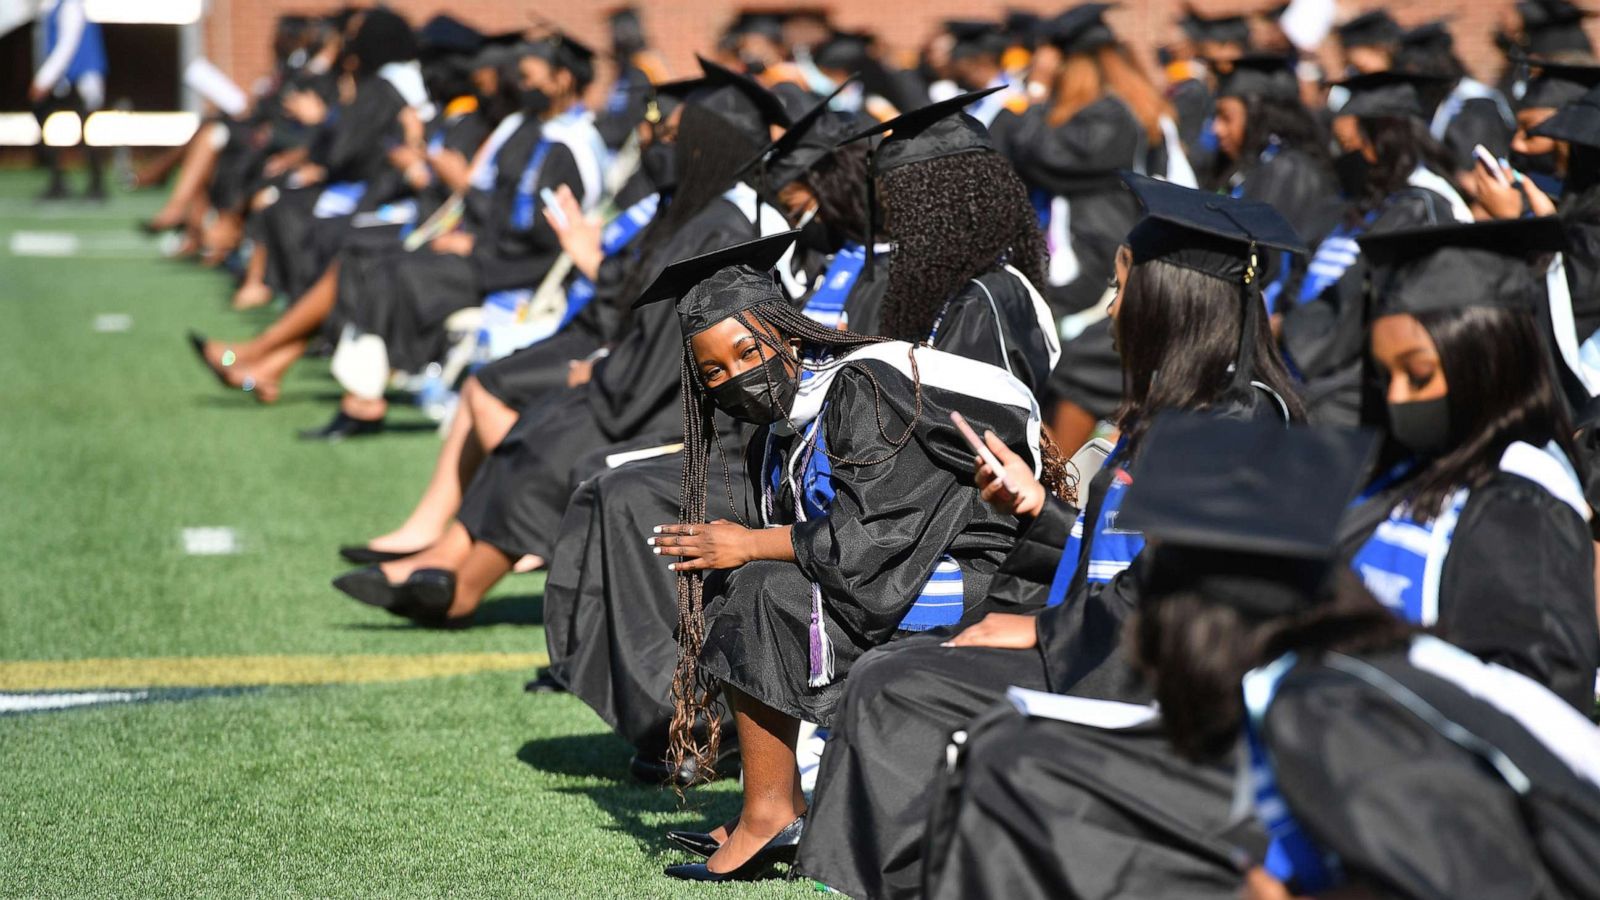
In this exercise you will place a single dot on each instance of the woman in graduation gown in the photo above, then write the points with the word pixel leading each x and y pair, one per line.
pixel 610 603
pixel 1394 175
pixel 1533 613
pixel 513 506
pixel 1186 271
pixel 1103 116
pixel 1379 761
pixel 868 516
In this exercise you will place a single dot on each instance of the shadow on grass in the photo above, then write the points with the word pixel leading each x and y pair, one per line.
pixel 635 809
pixel 522 610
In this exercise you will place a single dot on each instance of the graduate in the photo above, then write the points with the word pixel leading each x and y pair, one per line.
pixel 869 522
pixel 1103 115
pixel 1466 112
pixel 1541 159
pixel 610 605
pixel 1394 175
pixel 1369 42
pixel 1480 527
pixel 1061 796
pixel 975 65
pixel 1187 271
pixel 513 507
pixel 1381 762
pixel 1217 44
pixel 967 249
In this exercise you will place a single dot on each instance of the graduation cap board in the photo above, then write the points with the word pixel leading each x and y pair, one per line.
pixel 1215 235
pixel 1081 29
pixel 1388 94
pixel 1234 29
pixel 1576 123
pixel 1374 28
pixel 664 98
pixel 497 50
pixel 714 286
pixel 1268 76
pixel 445 35
pixel 814 135
pixel 563 52
pixel 1557 84
pixel 1245 513
pixel 1433 35
pixel 739 100
pixel 1554 26
pixel 975 38
pixel 1483 264
pixel 843 52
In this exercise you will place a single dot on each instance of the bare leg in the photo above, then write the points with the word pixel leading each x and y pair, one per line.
pixel 458 460
pixel 253 291
pixel 296 325
pixel 366 408
pixel 199 162
pixel 1072 426
pixel 483 568
pixel 772 796
pixel 491 419
pixel 222 237
pixel 157 170
pixel 265 375
pixel 448 552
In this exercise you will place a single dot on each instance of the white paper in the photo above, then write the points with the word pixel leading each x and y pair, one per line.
pixel 209 82
pixel 1108 714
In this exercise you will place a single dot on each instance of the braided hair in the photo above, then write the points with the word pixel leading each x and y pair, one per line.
pixel 951 220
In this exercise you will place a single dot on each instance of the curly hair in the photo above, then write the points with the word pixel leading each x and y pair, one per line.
pixel 951 220
pixel 836 182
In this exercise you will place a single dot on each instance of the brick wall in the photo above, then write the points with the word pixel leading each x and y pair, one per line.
pixel 237 32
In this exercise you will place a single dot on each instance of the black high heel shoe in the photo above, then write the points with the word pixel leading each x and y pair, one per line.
pixel 370 586
pixel 341 427
pixel 425 598
pixel 363 555
pixel 697 842
pixel 781 849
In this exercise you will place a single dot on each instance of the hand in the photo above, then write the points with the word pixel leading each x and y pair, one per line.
pixel 36 94
pixel 1500 201
pixel 579 237
pixel 714 545
pixel 307 174
pixel 1538 200
pixel 1005 631
pixel 306 107
pixel 1028 498
pixel 404 156
pixel 457 242
pixel 411 127
pixel 579 371
pixel 452 168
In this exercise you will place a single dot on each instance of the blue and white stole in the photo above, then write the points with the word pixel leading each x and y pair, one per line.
pixel 826 304
pixel 1403 562
pixel 1111 549
pixel 339 199
pixel 616 236
pixel 1334 257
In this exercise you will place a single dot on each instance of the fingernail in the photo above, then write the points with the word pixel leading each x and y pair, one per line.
pixel 656 551
pixel 658 529
pixel 947 644
pixel 650 542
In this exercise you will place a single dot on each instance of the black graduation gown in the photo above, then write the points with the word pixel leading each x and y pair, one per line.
pixel 1299 187
pixel 610 604
pixel 888 527
pixel 518 497
pixel 1325 336
pixel 1413 814
pixel 1478 122
pixel 1006 334
pixel 1518 584
pixel 1580 213
pixel 896 717
pixel 1194 104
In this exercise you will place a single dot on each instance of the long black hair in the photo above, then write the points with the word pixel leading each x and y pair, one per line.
pixel 1178 333
pixel 836 182
pixel 1501 390
pixel 708 154
pixel 1197 652
pixel 1286 122
pixel 1402 143
pixel 951 220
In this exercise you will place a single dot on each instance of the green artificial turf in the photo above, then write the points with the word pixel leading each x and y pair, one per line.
pixel 111 444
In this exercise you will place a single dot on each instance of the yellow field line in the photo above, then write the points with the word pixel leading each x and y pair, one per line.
pixel 241 671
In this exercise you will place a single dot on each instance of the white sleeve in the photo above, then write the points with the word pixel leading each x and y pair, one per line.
pixel 69 35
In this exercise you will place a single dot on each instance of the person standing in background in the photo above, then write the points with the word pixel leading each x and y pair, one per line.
pixel 72 78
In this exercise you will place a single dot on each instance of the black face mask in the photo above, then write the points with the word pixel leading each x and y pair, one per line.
pixel 818 236
pixel 1421 426
pixel 660 164
pixel 760 396
pixel 533 102
pixel 1534 163
pixel 1352 170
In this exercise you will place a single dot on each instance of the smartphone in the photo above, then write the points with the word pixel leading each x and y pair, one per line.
pixel 1489 163
pixel 548 198
pixel 979 448
pixel 1089 460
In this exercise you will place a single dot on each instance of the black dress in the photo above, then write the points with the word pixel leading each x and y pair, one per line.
pixel 888 527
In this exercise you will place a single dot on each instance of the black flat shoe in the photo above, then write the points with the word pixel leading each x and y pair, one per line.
pixel 781 849
pixel 425 598
pixel 342 426
pixel 697 842
pixel 546 683
pixel 198 342
pixel 362 555
pixel 370 586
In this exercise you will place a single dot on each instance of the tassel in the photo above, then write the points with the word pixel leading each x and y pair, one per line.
pixel 820 646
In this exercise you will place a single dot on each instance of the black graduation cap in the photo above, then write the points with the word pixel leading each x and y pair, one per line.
pixel 1022 27
pixel 740 100
pixel 1554 26
pixel 845 51
pixel 814 135
pixel 445 35
pixel 562 51
pixel 667 96
pixel 975 38
pixel 1452 266
pixel 1270 76
pixel 627 31
pixel 713 286
pixel 1558 84
pixel 934 131
pixel 1390 94
pixel 497 50
pixel 760 23
pixel 1433 35
pixel 1245 513
pixel 1233 29
pixel 1576 123
pixel 1215 235
pixel 1373 28
pixel 1081 29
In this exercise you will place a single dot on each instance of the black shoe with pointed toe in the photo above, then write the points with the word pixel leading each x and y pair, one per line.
pixel 362 555
pixel 370 586
pixel 341 427
pixel 425 598
pixel 546 683
pixel 778 851
pixel 697 842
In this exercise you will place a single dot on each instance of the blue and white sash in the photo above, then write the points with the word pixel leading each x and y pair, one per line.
pixel 1334 257
pixel 339 199
pixel 618 234
pixel 1111 549
pixel 1468 89
pixel 1403 562
pixel 486 162
pixel 826 305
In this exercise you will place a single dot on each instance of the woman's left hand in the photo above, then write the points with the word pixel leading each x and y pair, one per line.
pixel 713 545
pixel 1004 631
